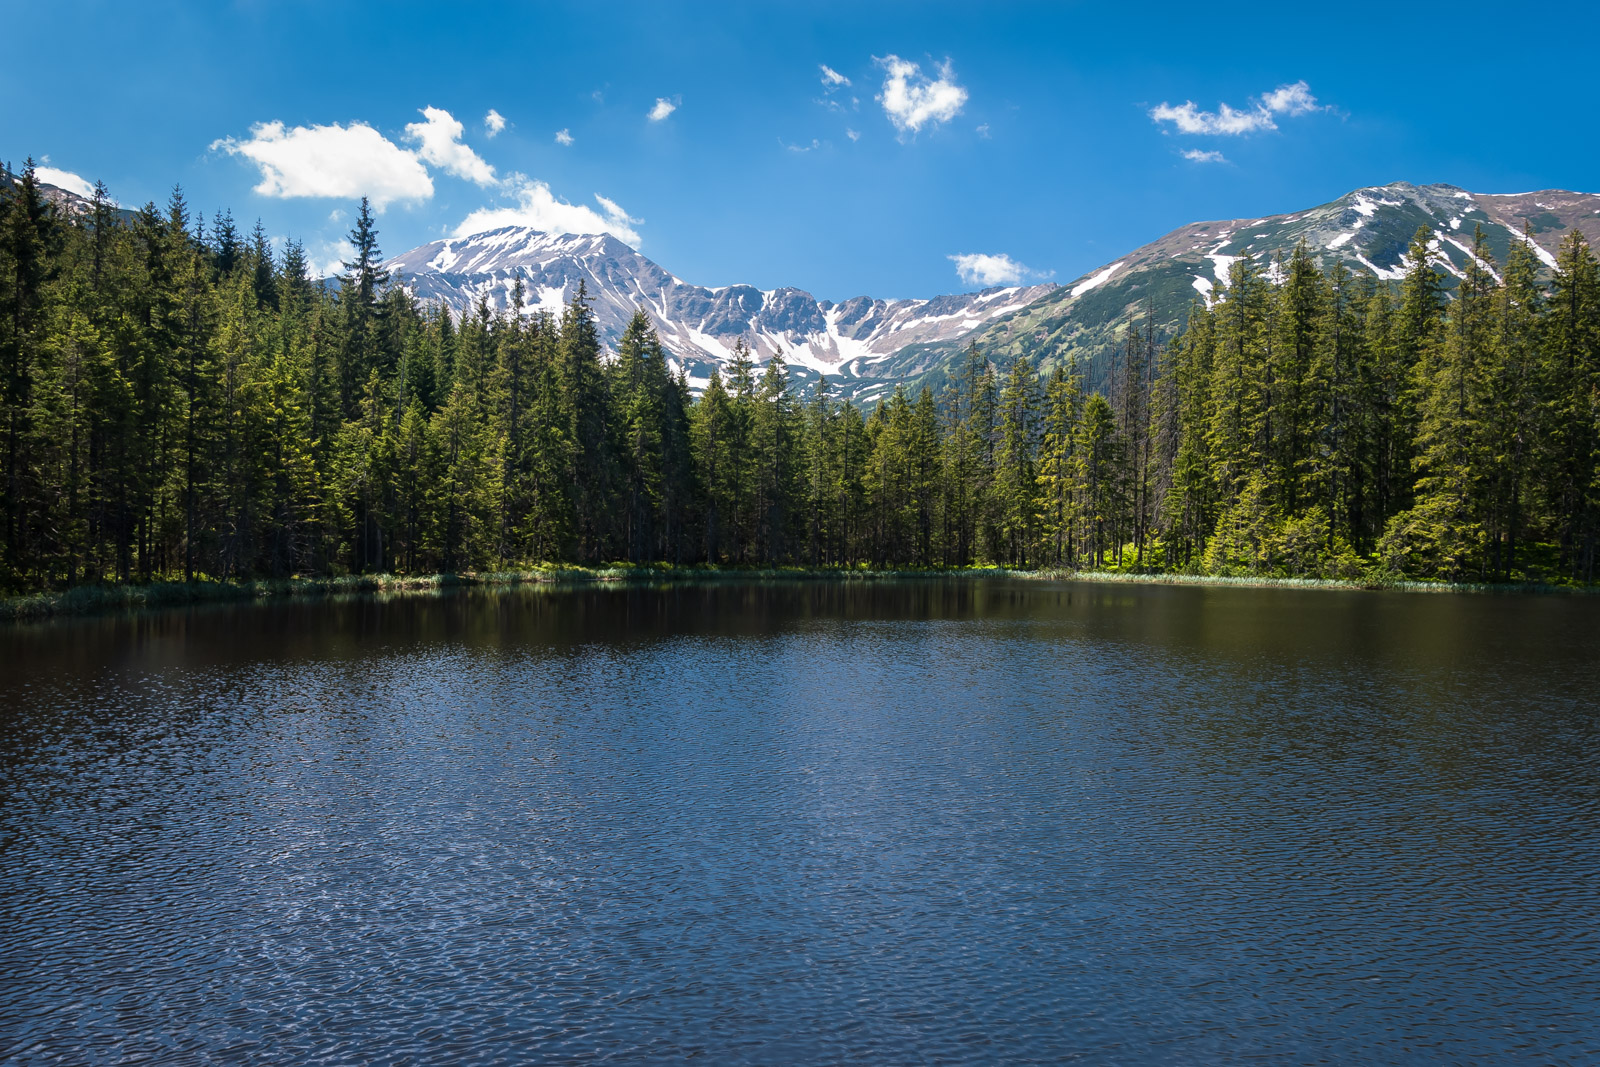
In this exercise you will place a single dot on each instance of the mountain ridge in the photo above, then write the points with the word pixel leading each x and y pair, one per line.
pixel 866 346
pixel 1369 229
pixel 699 325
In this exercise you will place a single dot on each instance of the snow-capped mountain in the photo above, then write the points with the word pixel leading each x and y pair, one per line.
pixel 1369 230
pixel 866 346
pixel 849 342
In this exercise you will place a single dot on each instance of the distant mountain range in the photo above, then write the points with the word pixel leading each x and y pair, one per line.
pixel 850 342
pixel 866 346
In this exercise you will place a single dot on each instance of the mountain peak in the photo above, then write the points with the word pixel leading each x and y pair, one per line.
pixel 503 248
pixel 700 326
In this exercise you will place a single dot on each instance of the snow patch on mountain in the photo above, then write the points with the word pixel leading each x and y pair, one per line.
pixel 1544 256
pixel 1098 279
pixel 701 326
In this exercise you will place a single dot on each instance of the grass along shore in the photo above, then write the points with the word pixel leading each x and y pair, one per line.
pixel 95 599
pixel 98 599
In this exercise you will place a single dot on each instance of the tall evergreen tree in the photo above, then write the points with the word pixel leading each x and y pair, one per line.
pixel 359 289
pixel 1572 407
pixel 1016 475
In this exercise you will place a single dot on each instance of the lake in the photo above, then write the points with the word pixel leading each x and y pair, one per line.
pixel 938 821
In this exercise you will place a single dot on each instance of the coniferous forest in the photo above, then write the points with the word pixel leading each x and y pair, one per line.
pixel 179 401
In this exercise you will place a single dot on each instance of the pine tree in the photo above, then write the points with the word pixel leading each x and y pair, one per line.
pixel 640 405
pixel 925 475
pixel 416 461
pixel 1099 481
pixel 821 466
pixel 1058 462
pixel 1239 405
pixel 1016 474
pixel 1417 334
pixel 294 280
pixel 550 528
pixel 589 426
pixel 1443 534
pixel 1298 415
pixel 678 476
pixel 359 289
pixel 1512 404
pixel 28 239
pixel 264 272
pixel 773 439
pixel 969 458
pixel 1572 371
pixel 1189 507
pixel 509 386
pixel 465 480
pixel 1340 469
pixel 713 436
pixel 198 367
pixel 852 451
pixel 227 251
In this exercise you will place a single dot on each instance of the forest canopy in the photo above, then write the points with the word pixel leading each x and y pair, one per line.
pixel 182 400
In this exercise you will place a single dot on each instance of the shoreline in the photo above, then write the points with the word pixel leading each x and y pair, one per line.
pixel 102 599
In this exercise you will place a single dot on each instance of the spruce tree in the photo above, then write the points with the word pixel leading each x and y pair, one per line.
pixel 1063 406
pixel 1016 474
pixel 714 459
pixel 1572 438
pixel 1442 535
pixel 359 289
pixel 640 404
pixel 589 426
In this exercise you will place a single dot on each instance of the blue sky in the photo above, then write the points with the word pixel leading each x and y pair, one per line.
pixel 841 148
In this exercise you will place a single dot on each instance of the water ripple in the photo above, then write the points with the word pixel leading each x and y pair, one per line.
pixel 931 822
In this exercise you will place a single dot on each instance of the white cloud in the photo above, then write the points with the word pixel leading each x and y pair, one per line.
pixel 1195 155
pixel 815 144
pixel 978 268
pixel 854 135
pixel 1294 99
pixel 1225 120
pixel 439 138
pixel 64 179
pixel 663 108
pixel 912 100
pixel 614 211
pixel 327 260
pixel 563 137
pixel 493 122
pixel 983 131
pixel 330 161
pixel 831 78
pixel 540 209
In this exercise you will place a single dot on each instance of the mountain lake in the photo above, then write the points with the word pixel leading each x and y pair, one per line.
pixel 952 821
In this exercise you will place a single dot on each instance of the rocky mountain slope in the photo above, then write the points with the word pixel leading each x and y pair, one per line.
pixel 866 346
pixel 849 341
pixel 1368 230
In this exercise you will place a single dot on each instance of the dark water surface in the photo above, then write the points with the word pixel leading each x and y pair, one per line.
pixel 921 822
